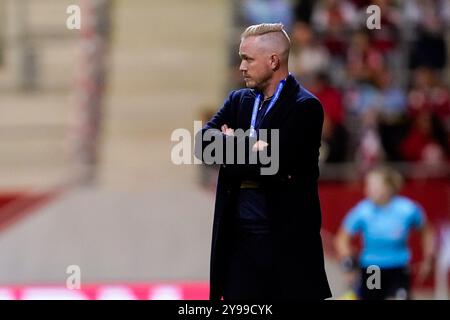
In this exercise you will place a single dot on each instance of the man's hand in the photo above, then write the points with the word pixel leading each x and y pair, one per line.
pixel 259 146
pixel 227 131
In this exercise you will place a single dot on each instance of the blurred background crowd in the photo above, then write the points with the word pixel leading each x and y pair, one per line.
pixel 385 91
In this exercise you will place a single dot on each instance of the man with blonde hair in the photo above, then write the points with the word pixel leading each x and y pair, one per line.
pixel 266 240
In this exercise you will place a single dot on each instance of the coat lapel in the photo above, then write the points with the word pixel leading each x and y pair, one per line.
pixel 280 107
pixel 245 111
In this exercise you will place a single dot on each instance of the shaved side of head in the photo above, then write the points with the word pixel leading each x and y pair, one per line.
pixel 275 42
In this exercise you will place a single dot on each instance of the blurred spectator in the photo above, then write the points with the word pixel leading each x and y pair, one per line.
pixel 387 38
pixel 390 102
pixel 425 141
pixel 385 220
pixel 429 111
pixel 361 4
pixel 379 95
pixel 308 56
pixel 363 59
pixel 420 12
pixel 385 105
pixel 429 49
pixel 330 97
pixel 303 10
pixel 428 93
pixel 370 150
pixel 334 133
pixel 334 21
pixel 334 15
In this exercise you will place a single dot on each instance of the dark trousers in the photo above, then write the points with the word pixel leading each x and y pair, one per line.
pixel 249 273
pixel 395 284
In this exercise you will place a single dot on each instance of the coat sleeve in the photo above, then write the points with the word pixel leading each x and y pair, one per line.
pixel 211 132
pixel 213 147
pixel 298 142
pixel 297 153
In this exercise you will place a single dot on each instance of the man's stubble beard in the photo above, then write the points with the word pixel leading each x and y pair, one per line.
pixel 261 85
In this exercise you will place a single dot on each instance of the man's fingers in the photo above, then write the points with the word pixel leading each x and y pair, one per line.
pixel 259 145
pixel 227 131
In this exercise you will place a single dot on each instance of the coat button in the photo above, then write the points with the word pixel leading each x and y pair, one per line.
pixel 224 166
pixel 289 177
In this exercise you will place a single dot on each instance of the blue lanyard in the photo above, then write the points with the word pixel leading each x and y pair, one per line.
pixel 271 104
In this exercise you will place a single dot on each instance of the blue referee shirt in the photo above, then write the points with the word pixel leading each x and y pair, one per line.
pixel 385 230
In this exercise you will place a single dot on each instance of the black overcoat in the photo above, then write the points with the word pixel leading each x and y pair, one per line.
pixel 292 193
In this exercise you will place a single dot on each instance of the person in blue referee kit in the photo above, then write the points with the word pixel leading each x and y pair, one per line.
pixel 266 241
pixel 385 220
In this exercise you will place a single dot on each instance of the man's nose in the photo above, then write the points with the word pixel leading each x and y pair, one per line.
pixel 242 66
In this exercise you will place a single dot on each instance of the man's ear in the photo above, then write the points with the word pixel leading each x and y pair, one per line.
pixel 275 62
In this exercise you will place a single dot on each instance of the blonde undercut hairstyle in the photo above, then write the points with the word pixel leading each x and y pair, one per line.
pixel 264 28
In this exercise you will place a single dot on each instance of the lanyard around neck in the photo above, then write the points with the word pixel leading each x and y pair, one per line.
pixel 271 104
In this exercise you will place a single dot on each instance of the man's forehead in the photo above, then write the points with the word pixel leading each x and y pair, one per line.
pixel 248 45
pixel 249 41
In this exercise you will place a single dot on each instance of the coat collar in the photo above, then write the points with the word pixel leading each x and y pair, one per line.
pixel 290 89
